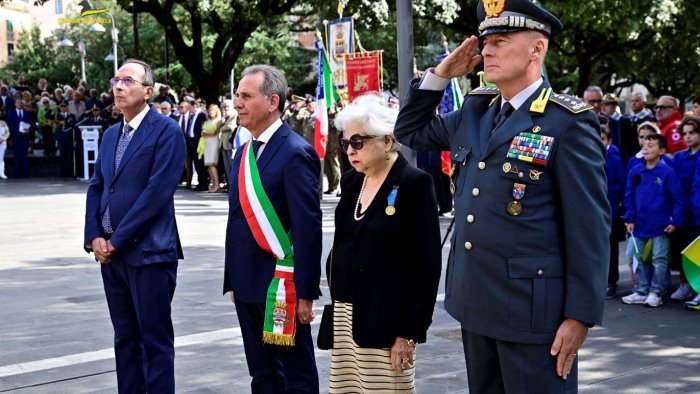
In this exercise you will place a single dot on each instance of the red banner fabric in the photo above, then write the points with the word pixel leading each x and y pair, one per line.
pixel 363 73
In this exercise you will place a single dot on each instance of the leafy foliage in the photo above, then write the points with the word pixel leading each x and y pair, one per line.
pixel 611 43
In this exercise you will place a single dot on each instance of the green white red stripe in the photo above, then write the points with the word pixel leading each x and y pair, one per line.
pixel 280 307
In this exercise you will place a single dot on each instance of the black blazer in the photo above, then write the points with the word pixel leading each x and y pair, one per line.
pixel 396 260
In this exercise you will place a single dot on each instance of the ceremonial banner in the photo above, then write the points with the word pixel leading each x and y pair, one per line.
pixel 339 37
pixel 451 101
pixel 362 73
pixel 326 95
pixel 691 264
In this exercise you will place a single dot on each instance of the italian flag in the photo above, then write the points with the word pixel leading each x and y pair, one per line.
pixel 326 95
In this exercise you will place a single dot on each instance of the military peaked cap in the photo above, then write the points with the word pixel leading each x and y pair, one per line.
pixel 504 16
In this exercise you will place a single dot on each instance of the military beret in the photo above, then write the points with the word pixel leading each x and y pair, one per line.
pixel 505 16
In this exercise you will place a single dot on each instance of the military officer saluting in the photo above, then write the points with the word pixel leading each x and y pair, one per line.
pixel 528 264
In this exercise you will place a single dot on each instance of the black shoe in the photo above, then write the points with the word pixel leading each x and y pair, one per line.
pixel 610 292
pixel 329 192
pixel 201 188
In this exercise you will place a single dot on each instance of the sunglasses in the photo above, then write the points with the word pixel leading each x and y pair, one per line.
pixel 356 141
pixel 127 81
pixel 659 107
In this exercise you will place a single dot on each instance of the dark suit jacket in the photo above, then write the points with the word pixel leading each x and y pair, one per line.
pixel 515 278
pixel 289 169
pixel 140 192
pixel 198 122
pixel 13 122
pixel 393 263
pixel 9 104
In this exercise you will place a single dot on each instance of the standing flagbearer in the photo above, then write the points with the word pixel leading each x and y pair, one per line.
pixel 273 210
pixel 527 270
pixel 130 226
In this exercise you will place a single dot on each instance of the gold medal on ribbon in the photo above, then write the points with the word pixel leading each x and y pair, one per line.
pixel 390 210
pixel 515 208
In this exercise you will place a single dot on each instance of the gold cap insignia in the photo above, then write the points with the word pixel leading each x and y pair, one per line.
pixel 494 8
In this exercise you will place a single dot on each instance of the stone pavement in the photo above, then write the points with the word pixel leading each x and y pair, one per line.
pixel 55 334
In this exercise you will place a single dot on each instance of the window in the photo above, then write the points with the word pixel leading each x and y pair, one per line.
pixel 10 51
pixel 10 31
pixel 59 7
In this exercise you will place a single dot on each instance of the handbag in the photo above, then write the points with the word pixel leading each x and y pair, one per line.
pixel 325 330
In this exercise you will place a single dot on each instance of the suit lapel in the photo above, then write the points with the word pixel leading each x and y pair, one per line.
pixel 140 135
pixel 486 124
pixel 271 147
pixel 109 147
pixel 233 198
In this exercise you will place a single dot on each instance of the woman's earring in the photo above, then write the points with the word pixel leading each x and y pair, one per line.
pixel 387 156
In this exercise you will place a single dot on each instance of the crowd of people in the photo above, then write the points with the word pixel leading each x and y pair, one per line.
pixel 526 269
pixel 654 191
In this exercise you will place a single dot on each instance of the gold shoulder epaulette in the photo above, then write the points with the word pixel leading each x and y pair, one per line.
pixel 569 102
pixel 485 90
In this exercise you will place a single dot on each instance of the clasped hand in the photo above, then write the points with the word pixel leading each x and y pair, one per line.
pixel 103 250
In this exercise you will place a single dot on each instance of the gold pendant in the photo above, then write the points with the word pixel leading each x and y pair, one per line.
pixel 515 208
pixel 390 210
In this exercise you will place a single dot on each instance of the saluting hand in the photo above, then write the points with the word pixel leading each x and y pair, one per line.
pixel 461 61
pixel 567 342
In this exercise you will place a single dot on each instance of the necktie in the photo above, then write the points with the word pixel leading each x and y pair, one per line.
pixel 256 147
pixel 506 110
pixel 124 140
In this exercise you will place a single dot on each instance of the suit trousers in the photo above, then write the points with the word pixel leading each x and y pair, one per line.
pixel 495 366
pixel 331 166
pixel 20 155
pixel 202 174
pixel 227 158
pixel 139 307
pixel 276 369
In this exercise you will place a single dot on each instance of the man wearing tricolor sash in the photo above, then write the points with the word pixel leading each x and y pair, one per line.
pixel 273 239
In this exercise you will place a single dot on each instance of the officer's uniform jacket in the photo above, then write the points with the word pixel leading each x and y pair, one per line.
pixel 530 245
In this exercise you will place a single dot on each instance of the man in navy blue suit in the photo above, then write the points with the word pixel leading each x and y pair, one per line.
pixel 289 171
pixel 22 124
pixel 130 227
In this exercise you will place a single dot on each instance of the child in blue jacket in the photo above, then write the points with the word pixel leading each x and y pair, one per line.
pixel 654 208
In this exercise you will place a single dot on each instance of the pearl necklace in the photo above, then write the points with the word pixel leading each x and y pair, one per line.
pixel 356 213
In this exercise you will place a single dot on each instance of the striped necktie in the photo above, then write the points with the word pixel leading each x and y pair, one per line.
pixel 123 143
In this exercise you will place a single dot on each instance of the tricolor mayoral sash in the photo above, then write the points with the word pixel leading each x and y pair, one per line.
pixel 279 327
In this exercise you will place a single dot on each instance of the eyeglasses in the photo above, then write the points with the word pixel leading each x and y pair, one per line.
pixel 659 107
pixel 591 102
pixel 356 141
pixel 127 81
